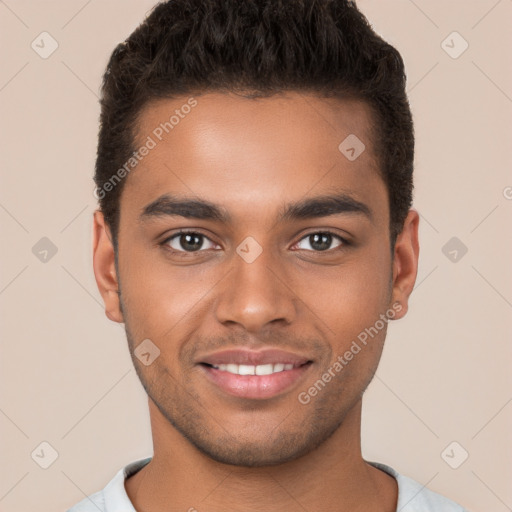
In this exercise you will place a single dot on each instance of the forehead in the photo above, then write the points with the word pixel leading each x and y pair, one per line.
pixel 224 147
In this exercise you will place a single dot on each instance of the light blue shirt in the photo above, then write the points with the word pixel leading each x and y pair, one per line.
pixel 412 496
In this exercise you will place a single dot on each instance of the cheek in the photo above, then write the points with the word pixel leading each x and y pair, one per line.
pixel 353 295
pixel 158 299
pixel 350 301
pixel 357 331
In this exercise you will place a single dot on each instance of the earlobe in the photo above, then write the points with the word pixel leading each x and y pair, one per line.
pixel 104 267
pixel 405 263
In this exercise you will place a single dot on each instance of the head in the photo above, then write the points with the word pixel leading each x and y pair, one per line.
pixel 278 135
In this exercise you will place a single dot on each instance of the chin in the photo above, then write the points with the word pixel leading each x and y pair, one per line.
pixel 251 454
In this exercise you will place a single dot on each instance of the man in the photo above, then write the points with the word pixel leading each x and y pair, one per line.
pixel 255 236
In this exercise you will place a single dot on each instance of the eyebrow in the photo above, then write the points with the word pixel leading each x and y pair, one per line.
pixel 310 208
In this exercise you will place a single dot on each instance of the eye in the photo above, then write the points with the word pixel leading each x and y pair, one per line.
pixel 193 241
pixel 321 241
pixel 188 241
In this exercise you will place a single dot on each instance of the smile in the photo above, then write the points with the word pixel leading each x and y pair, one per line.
pixel 256 375
pixel 261 369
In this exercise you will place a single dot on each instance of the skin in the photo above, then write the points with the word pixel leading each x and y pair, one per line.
pixel 217 452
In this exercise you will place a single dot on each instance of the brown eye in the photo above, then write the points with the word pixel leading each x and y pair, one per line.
pixel 188 242
pixel 321 241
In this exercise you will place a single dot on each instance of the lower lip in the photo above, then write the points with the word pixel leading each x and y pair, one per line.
pixel 255 386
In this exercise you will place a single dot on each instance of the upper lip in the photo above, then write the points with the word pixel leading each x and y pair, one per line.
pixel 255 358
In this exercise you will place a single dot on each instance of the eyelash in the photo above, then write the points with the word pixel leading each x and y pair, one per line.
pixel 164 243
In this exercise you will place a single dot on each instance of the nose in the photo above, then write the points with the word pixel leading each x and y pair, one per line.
pixel 256 294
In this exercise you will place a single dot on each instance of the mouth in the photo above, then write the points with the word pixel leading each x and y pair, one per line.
pixel 261 369
pixel 255 375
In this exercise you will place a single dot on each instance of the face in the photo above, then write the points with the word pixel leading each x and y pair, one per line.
pixel 255 270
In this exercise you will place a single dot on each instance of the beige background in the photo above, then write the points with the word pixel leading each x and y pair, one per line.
pixel 445 374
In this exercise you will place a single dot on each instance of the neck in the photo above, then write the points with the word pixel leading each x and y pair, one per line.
pixel 179 477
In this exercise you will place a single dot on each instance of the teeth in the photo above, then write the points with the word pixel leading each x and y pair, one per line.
pixel 248 369
pixel 231 368
pixel 245 369
pixel 264 369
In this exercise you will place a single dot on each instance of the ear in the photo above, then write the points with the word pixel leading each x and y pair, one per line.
pixel 104 268
pixel 405 262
